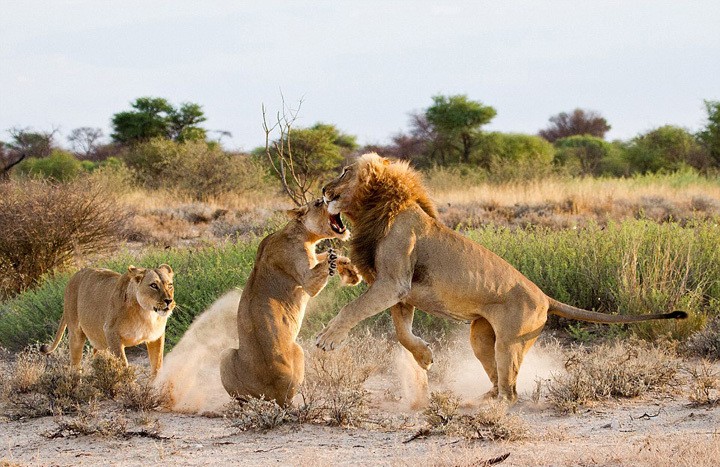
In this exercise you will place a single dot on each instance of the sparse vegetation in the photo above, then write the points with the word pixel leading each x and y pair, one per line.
pixel 490 422
pixel 45 226
pixel 627 368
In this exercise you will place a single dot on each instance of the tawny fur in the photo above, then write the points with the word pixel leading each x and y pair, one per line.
pixel 287 272
pixel 114 311
pixel 411 259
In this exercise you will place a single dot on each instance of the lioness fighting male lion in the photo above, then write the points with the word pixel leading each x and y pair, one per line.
pixel 287 272
pixel 411 259
pixel 115 311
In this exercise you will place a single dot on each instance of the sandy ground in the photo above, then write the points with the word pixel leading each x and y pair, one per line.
pixel 641 432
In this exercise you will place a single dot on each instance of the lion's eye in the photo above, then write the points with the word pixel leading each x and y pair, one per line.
pixel 154 286
pixel 170 286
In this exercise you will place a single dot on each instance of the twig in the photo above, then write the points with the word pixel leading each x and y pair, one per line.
pixel 646 416
pixel 421 433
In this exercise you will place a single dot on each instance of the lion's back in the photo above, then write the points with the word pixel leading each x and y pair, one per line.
pixel 89 293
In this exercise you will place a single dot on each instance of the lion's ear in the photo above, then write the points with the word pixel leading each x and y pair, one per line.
pixel 136 273
pixel 297 212
pixel 166 268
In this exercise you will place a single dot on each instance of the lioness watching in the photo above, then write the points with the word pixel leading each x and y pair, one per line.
pixel 114 311
pixel 411 259
pixel 287 272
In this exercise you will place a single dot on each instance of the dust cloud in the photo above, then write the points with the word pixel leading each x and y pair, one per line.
pixel 457 370
pixel 191 371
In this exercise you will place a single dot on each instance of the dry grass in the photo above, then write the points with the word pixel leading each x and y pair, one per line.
pixel 704 384
pixel 706 342
pixel 39 385
pixel 490 422
pixel 46 226
pixel 167 218
pixel 259 414
pixel 623 369
pixel 333 392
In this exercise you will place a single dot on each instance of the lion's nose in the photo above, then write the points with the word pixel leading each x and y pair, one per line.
pixel 168 301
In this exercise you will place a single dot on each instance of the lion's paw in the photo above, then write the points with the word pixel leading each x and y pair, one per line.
pixel 331 337
pixel 423 356
pixel 349 274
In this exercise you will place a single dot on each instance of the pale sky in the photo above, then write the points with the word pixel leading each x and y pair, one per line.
pixel 361 65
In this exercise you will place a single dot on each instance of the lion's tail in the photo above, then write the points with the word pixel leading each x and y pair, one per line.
pixel 567 311
pixel 46 349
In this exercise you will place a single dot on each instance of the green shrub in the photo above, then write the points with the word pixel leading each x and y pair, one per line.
pixel 200 169
pixel 59 166
pixel 512 155
pixel 666 148
pixel 587 155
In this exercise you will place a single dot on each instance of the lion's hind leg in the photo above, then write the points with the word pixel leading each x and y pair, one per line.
pixel 76 342
pixel 482 341
pixel 510 350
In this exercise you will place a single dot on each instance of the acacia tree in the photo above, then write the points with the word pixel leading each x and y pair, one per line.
pixel 456 123
pixel 25 143
pixel 579 122
pixel 155 117
pixel 710 135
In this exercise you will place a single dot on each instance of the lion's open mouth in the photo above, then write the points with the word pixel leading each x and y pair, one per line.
pixel 336 224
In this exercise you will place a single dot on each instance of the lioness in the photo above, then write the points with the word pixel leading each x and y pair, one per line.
pixel 287 272
pixel 411 259
pixel 115 311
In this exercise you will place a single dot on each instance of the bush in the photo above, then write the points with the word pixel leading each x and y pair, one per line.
pixel 59 166
pixel 510 155
pixel 45 226
pixel 624 369
pixel 634 267
pixel 199 169
pixel 666 148
pixel 587 155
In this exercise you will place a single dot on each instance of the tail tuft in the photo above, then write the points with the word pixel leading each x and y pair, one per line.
pixel 45 349
pixel 677 314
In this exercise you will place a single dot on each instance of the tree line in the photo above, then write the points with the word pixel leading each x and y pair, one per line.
pixel 153 135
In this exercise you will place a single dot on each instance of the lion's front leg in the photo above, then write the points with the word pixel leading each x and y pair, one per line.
pixel 380 296
pixel 314 280
pixel 155 354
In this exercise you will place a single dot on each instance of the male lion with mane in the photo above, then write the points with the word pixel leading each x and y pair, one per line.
pixel 115 311
pixel 412 260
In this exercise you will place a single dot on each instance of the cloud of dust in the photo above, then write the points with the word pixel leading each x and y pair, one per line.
pixel 457 369
pixel 413 379
pixel 191 371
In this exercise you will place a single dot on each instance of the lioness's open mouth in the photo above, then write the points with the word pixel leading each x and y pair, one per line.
pixel 336 224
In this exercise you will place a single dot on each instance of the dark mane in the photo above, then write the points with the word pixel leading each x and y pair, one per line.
pixel 390 189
